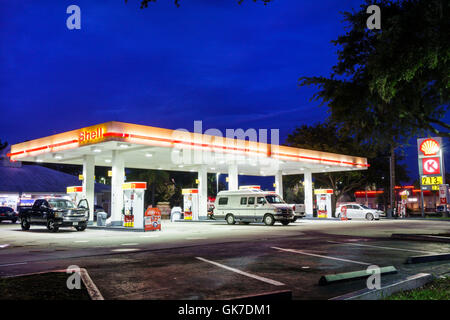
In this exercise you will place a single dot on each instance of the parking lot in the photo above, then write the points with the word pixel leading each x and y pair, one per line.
pixel 212 260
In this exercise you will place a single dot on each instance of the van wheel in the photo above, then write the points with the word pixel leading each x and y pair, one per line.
pixel 51 226
pixel 230 219
pixel 269 220
pixel 24 224
pixel 369 216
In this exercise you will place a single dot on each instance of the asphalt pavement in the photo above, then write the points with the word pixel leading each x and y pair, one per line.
pixel 217 261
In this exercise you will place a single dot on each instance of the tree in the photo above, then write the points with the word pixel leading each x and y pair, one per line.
pixel 163 185
pixel 391 84
pixel 326 137
pixel 3 145
pixel 144 3
pixel 157 182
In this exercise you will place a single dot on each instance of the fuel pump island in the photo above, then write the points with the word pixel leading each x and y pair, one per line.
pixel 133 215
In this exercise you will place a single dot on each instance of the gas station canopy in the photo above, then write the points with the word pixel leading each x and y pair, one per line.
pixel 124 145
pixel 151 148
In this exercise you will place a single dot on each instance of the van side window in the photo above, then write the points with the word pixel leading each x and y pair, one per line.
pixel 260 200
pixel 243 201
pixel 251 200
pixel 223 201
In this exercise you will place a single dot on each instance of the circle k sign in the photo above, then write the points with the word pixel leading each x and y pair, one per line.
pixel 431 166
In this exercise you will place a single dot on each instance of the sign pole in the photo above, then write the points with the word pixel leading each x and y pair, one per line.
pixel 421 203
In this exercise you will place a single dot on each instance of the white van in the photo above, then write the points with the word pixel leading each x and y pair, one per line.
pixel 252 206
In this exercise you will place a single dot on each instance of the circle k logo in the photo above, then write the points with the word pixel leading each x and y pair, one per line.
pixel 431 166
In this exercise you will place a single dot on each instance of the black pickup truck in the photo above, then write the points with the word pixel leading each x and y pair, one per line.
pixel 55 213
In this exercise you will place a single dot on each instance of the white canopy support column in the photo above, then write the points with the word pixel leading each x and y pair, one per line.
pixel 307 185
pixel 117 180
pixel 279 183
pixel 202 194
pixel 233 178
pixel 89 184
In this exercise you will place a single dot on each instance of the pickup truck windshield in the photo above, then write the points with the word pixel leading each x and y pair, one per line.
pixel 274 199
pixel 61 204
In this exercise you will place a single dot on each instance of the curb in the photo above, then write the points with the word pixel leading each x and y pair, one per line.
pixel 420 237
pixel 348 276
pixel 92 289
pixel 411 282
pixel 428 258
pixel 274 295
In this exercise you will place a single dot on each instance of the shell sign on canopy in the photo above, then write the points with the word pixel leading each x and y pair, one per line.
pixel 91 134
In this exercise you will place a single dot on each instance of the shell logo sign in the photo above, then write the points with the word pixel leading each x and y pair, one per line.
pixel 92 134
pixel 429 147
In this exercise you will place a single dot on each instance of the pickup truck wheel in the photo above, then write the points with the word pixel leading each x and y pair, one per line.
pixel 230 219
pixel 24 224
pixel 269 220
pixel 81 228
pixel 51 226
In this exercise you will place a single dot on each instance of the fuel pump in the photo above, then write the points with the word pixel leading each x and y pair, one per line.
pixel 190 204
pixel 75 193
pixel 323 198
pixel 133 204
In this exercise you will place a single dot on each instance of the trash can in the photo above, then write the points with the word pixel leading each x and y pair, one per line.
pixel 101 219
pixel 175 214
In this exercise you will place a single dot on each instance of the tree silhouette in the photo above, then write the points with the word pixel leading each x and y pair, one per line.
pixel 3 145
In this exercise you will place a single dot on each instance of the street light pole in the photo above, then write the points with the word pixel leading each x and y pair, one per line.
pixel 392 181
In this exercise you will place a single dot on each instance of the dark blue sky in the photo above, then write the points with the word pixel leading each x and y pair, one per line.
pixel 231 66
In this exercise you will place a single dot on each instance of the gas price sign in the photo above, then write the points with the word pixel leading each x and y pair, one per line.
pixel 429 181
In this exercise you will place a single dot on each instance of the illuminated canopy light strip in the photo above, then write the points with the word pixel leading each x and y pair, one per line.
pixel 320 159
pixel 189 143
pixel 50 146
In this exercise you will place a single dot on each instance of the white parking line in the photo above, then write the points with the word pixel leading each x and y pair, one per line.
pixel 12 264
pixel 2 246
pixel 125 250
pixel 80 241
pixel 195 238
pixel 380 247
pixel 129 244
pixel 273 282
pixel 320 256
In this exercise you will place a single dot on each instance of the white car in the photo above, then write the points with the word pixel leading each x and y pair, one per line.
pixel 358 211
